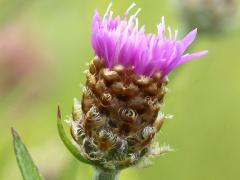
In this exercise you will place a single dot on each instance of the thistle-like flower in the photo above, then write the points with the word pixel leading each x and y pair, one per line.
pixel 115 123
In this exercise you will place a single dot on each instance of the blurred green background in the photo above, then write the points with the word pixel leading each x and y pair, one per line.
pixel 204 95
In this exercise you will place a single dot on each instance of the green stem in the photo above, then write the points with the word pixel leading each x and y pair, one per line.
pixel 103 174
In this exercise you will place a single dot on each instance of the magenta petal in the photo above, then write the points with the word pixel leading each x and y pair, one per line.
pixel 188 57
pixel 188 39
pixel 122 41
pixel 96 18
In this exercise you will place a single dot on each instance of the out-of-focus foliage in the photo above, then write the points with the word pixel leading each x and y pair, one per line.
pixel 208 15
pixel 11 9
pixel 204 95
pixel 20 56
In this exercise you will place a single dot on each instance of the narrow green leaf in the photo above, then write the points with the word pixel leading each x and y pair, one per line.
pixel 67 141
pixel 28 168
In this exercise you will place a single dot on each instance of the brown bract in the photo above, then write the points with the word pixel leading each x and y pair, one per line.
pixel 119 114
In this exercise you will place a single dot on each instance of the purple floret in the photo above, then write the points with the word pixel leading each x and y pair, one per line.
pixel 122 41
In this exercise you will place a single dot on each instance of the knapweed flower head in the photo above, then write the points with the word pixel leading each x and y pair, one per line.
pixel 123 41
pixel 119 115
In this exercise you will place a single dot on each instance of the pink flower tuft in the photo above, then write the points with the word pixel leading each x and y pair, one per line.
pixel 122 41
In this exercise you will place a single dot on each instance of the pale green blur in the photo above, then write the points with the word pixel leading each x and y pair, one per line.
pixel 204 95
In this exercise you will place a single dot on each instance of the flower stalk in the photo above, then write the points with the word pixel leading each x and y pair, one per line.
pixel 103 174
